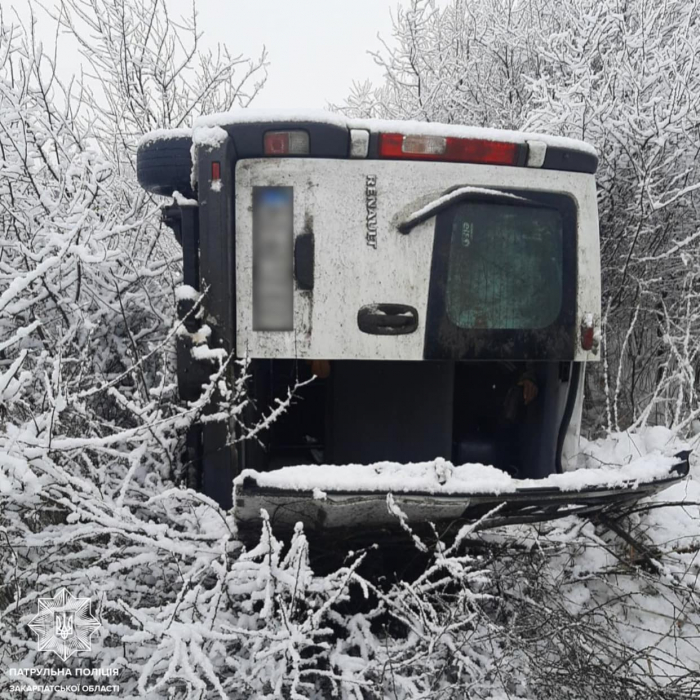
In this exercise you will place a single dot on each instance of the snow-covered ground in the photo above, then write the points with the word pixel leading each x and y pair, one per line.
pixel 654 609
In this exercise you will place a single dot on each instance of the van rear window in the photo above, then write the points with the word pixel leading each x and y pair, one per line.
pixel 505 266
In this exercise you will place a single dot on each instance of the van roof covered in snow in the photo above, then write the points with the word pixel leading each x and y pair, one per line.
pixel 336 136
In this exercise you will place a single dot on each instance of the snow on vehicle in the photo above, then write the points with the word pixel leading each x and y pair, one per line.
pixel 442 283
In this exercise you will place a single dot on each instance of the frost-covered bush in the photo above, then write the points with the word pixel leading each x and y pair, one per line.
pixel 558 611
pixel 87 272
pixel 90 426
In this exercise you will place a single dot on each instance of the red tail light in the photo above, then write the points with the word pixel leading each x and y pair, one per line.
pixel 587 334
pixel 449 149
pixel 286 143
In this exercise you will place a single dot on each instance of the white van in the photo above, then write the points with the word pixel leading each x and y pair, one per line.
pixel 443 284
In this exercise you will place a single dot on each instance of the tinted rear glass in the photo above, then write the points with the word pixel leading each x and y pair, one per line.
pixel 505 266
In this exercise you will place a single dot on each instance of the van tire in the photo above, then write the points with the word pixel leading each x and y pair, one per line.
pixel 165 165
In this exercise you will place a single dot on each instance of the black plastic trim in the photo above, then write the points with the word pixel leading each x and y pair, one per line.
pixel 325 140
pixel 373 150
pixel 571 396
pixel 304 261
pixel 387 319
pixel 569 160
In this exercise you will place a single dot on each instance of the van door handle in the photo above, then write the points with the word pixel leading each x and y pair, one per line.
pixel 304 261
pixel 387 319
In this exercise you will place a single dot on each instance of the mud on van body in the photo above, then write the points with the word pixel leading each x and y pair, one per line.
pixel 441 282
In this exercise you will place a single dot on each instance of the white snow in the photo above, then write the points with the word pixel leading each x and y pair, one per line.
pixel 248 116
pixel 625 447
pixel 202 135
pixel 680 523
pixel 209 136
pixel 440 477
pixel 204 352
pixel 407 127
pixel 163 135
pixel 185 292
pixel 202 335
pixel 183 201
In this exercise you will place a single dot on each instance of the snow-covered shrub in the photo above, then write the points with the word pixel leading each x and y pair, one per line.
pixel 626 78
pixel 560 610
pixel 89 422
pixel 87 272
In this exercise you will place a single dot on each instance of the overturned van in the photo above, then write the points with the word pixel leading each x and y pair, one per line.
pixel 442 285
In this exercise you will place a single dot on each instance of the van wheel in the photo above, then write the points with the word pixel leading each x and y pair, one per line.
pixel 165 165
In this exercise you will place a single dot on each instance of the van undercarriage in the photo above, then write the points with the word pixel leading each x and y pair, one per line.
pixel 448 414
pixel 363 412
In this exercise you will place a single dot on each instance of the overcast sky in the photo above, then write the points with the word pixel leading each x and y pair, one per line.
pixel 316 47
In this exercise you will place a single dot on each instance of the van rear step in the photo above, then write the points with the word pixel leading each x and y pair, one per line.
pixel 362 517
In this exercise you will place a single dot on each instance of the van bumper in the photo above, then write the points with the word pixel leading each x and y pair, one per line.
pixel 358 516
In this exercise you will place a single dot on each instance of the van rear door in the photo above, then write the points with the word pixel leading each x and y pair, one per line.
pixel 345 259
